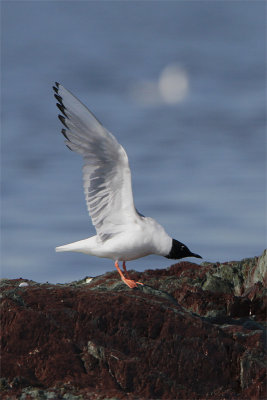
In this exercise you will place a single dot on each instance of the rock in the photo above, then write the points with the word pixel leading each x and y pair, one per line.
pixel 23 284
pixel 191 332
pixel 259 273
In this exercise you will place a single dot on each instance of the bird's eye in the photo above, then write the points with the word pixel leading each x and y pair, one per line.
pixel 182 247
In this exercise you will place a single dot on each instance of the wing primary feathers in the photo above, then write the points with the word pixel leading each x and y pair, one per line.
pixel 68 147
pixel 62 119
pixel 60 104
pixel 59 98
pixel 63 131
pixel 56 87
pixel 62 109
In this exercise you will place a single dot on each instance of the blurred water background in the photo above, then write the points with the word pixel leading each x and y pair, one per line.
pixel 182 87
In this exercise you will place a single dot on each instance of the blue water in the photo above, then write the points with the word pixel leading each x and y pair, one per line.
pixel 198 163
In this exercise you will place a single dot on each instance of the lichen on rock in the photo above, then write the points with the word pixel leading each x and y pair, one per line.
pixel 191 332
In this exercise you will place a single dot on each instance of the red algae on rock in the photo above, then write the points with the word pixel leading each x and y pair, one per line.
pixel 188 333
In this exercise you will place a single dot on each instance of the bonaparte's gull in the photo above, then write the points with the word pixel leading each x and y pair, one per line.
pixel 123 234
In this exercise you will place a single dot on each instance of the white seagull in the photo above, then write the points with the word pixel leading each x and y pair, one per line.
pixel 123 234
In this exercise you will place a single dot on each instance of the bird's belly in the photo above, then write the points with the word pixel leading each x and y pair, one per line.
pixel 127 249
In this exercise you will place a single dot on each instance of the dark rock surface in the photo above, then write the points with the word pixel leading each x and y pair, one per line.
pixel 191 332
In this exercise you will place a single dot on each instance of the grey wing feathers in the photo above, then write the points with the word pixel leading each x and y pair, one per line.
pixel 106 172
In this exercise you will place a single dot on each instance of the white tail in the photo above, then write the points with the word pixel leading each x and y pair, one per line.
pixel 82 246
pixel 63 248
pixel 69 247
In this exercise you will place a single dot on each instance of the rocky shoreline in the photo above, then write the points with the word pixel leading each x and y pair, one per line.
pixel 191 332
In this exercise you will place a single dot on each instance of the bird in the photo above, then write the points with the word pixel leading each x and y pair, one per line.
pixel 122 233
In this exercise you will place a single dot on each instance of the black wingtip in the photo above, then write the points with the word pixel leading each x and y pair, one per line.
pixel 62 119
pixel 63 131
pixel 55 88
pixel 68 147
pixel 59 98
pixel 62 109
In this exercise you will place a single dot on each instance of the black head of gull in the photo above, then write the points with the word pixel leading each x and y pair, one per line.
pixel 179 250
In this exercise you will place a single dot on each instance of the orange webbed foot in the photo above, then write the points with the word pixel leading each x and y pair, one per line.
pixel 129 282
pixel 127 275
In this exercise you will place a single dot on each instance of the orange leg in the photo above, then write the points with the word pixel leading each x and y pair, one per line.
pixel 126 272
pixel 129 282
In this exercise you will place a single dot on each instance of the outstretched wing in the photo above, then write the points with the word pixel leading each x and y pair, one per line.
pixel 106 171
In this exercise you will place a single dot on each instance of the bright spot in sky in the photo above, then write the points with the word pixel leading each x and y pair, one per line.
pixel 173 84
pixel 171 87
